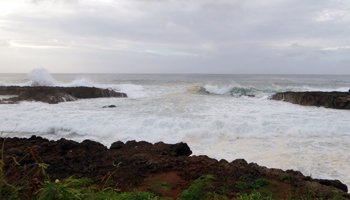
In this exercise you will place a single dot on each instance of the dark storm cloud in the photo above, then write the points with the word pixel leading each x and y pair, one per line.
pixel 196 36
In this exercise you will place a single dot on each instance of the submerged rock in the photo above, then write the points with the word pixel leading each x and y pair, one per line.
pixel 110 106
pixel 54 95
pixel 337 100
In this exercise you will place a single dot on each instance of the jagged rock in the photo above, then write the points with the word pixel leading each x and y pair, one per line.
pixel 181 149
pixel 130 166
pixel 337 100
pixel 334 183
pixel 54 95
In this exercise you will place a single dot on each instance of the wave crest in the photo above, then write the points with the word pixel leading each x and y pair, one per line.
pixel 236 91
pixel 41 77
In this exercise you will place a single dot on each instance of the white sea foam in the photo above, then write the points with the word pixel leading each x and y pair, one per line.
pixel 272 133
pixel 41 77
pixel 132 90
pixel 277 134
pixel 236 90
pixel 220 90
pixel 239 90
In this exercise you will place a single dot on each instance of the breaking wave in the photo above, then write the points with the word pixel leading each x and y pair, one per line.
pixel 41 77
pixel 236 91
pixel 251 91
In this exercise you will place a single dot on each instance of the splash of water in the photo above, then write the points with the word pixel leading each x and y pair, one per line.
pixel 41 77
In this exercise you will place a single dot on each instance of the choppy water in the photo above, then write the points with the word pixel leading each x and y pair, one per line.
pixel 212 113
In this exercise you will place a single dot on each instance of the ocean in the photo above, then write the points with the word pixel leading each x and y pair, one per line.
pixel 222 116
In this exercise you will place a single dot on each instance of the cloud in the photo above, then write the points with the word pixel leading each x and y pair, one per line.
pixel 339 48
pixel 34 45
pixel 329 15
pixel 222 36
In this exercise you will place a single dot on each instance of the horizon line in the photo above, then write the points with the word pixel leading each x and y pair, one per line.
pixel 98 73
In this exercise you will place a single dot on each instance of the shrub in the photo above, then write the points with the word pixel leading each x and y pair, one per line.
pixel 197 189
pixel 247 185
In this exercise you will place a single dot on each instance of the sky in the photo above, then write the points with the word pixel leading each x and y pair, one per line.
pixel 176 36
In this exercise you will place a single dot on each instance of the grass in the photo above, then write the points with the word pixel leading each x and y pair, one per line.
pixel 79 189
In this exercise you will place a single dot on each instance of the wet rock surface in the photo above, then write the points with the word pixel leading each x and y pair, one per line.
pixel 109 106
pixel 53 95
pixel 337 100
pixel 136 165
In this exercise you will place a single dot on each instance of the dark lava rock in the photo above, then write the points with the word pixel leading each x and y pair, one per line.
pixel 337 100
pixel 128 166
pixel 110 106
pixel 54 95
pixel 334 183
pixel 181 149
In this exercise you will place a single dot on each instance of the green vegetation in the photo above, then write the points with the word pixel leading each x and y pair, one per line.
pixel 245 184
pixel 285 178
pixel 110 195
pixel 198 189
pixel 253 196
pixel 78 189
pixel 69 188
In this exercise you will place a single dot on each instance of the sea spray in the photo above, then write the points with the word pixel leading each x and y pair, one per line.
pixel 41 77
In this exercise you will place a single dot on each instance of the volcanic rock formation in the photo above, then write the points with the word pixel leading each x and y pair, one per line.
pixel 141 165
pixel 53 95
pixel 337 100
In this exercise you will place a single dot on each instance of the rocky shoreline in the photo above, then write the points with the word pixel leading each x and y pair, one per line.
pixel 142 166
pixel 54 95
pixel 336 100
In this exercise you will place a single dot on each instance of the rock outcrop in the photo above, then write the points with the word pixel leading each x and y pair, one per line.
pixel 143 166
pixel 337 100
pixel 53 95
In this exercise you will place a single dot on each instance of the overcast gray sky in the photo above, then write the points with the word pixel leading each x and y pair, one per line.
pixel 176 36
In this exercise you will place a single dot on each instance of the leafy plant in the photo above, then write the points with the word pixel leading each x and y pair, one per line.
pixel 69 188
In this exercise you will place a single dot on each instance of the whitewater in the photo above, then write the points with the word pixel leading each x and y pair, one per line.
pixel 222 116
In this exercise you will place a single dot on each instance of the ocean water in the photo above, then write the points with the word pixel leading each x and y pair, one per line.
pixel 222 116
